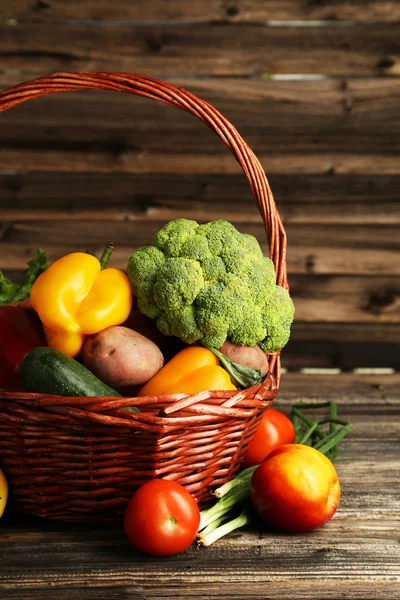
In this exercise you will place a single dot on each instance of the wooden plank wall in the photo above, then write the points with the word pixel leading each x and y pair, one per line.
pixel 312 85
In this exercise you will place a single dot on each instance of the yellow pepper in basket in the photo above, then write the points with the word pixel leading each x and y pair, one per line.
pixel 192 370
pixel 76 296
pixel 3 492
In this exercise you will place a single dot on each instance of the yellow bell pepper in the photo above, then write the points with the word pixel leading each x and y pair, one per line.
pixel 192 370
pixel 76 296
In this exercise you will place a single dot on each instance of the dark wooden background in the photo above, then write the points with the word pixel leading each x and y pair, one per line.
pixel 312 85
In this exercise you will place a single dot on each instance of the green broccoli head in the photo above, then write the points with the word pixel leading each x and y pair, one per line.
pixel 278 314
pixel 208 283
pixel 173 236
pixel 180 323
pixel 142 270
pixel 177 283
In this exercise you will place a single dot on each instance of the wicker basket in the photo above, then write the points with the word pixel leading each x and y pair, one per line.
pixel 80 459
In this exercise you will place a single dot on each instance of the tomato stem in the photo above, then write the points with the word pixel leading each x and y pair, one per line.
pixel 171 522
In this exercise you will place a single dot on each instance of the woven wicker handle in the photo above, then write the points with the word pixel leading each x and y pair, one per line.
pixel 180 98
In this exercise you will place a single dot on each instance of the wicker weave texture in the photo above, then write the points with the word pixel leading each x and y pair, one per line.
pixel 82 458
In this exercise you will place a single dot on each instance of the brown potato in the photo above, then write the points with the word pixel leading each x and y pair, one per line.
pixel 249 356
pixel 169 345
pixel 120 357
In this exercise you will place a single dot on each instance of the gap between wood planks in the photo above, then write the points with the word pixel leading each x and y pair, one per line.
pixel 244 50
pixel 226 11
pixel 337 371
pixel 290 23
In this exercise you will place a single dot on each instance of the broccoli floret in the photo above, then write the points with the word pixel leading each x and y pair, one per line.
pixel 217 306
pixel 260 279
pixel 250 329
pixel 208 283
pixel 213 268
pixel 177 283
pixel 220 234
pixel 278 313
pixel 213 327
pixel 163 325
pixel 196 247
pixel 148 308
pixel 142 269
pixel 181 323
pixel 173 235
pixel 251 244
pixel 235 259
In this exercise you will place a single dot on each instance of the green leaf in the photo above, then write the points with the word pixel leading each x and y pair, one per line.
pixel 131 409
pixel 11 292
pixel 7 289
pixel 243 376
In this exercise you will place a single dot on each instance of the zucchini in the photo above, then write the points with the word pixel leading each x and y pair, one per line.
pixel 48 371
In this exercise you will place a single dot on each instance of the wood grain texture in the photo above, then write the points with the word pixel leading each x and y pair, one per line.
pixel 355 555
pixel 172 50
pixel 130 161
pixel 327 127
pixel 328 249
pixel 118 592
pixel 314 199
pixel 189 12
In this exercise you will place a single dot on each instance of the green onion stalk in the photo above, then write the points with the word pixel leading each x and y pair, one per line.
pixel 223 517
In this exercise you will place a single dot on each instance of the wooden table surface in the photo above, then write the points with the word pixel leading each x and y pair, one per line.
pixel 356 555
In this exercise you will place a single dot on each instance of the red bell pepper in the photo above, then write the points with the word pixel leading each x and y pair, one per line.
pixel 19 334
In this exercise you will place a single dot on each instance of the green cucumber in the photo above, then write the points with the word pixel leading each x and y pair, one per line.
pixel 48 371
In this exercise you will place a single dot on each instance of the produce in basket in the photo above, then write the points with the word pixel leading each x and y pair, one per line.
pixel 12 293
pixel 201 451
pixel 77 296
pixel 121 357
pixel 3 492
pixel 248 356
pixel 50 371
pixel 209 283
pixel 192 370
pixel 19 333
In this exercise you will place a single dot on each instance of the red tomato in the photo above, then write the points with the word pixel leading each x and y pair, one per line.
pixel 274 430
pixel 295 489
pixel 162 518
